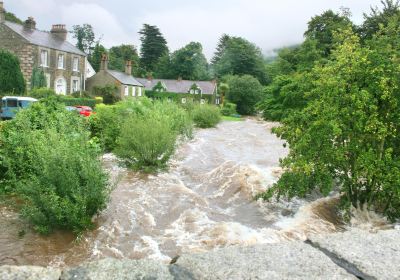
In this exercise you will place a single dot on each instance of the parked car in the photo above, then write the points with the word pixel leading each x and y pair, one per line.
pixel 10 105
pixel 84 110
pixel 71 109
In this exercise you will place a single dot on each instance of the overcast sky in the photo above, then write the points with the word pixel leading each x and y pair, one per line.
pixel 268 23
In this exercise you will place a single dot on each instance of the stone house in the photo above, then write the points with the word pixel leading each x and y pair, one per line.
pixel 179 86
pixel 64 65
pixel 126 85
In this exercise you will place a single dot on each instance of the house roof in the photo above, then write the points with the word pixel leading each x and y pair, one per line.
pixel 124 78
pixel 44 39
pixel 179 86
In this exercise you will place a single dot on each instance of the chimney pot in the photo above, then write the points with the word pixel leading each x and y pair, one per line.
pixel 60 31
pixel 30 24
pixel 2 13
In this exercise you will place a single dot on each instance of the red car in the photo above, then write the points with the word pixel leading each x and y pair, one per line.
pixel 84 110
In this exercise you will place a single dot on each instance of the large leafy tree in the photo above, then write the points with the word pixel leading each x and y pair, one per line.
pixel 120 54
pixel 237 56
pixel 11 78
pixel 154 46
pixel 189 63
pixel 321 28
pixel 347 136
pixel 245 91
pixel 378 18
pixel 85 37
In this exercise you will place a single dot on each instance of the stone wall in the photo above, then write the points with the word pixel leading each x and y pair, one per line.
pixel 350 255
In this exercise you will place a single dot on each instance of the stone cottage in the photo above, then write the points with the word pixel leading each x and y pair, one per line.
pixel 64 65
pixel 126 84
pixel 179 86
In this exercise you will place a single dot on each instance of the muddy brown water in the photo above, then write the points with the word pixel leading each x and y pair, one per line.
pixel 205 201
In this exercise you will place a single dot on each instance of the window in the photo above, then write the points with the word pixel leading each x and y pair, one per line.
pixel 140 91
pixel 126 91
pixel 61 86
pixel 202 101
pixel 183 100
pixel 75 64
pixel 75 85
pixel 47 80
pixel 44 62
pixel 60 61
pixel 12 103
pixel 133 91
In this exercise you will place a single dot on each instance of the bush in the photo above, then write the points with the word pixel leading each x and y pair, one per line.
pixel 68 101
pixel 49 163
pixel 109 93
pixel 146 142
pixel 11 78
pixel 206 116
pixel 228 109
pixel 83 94
pixel 41 93
pixel 245 91
pixel 38 79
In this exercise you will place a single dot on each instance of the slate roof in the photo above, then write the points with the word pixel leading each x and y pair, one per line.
pixel 179 86
pixel 124 78
pixel 44 39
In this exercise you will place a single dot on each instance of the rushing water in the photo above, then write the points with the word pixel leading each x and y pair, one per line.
pixel 204 201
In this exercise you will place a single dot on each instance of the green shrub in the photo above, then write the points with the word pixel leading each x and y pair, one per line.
pixel 83 94
pixel 99 100
pixel 70 101
pixel 49 163
pixel 41 93
pixel 11 78
pixel 38 79
pixel 206 116
pixel 228 109
pixel 146 142
pixel 109 93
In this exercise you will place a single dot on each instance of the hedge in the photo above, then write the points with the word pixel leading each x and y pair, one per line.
pixel 68 101
pixel 177 97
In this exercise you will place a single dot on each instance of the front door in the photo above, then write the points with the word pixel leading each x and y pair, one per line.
pixel 61 86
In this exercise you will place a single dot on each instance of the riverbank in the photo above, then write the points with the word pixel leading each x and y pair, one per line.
pixel 354 254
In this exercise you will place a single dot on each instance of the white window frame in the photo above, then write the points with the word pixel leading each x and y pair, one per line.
pixel 183 100
pixel 75 64
pixel 44 58
pixel 62 66
pixel 140 92
pixel 78 88
pixel 126 91
pixel 133 91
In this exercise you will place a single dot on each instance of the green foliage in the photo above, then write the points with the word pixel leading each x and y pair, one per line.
pixel 85 37
pixel 11 78
pixel 347 135
pixel 83 94
pixel 189 63
pixel 228 109
pixel 120 54
pixel 70 101
pixel 109 94
pixel 237 56
pixel 13 18
pixel 38 79
pixel 206 116
pixel 245 91
pixel 154 46
pixel 177 97
pixel 41 93
pixel 49 163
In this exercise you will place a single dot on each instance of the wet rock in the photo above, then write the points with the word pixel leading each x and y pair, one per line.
pixel 8 272
pixel 292 260
pixel 376 255
pixel 110 269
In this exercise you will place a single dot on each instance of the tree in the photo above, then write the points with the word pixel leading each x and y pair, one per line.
pixel 154 46
pixel 163 69
pixel 245 91
pixel 347 135
pixel 378 18
pixel 237 56
pixel 11 78
pixel 221 47
pixel 321 28
pixel 189 63
pixel 38 79
pixel 95 58
pixel 223 90
pixel 13 18
pixel 85 37
pixel 120 54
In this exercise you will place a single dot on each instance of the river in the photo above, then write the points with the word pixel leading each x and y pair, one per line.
pixel 204 201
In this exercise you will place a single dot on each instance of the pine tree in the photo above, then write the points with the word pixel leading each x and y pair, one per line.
pixel 154 46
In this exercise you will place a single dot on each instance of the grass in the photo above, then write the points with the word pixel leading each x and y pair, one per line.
pixel 232 119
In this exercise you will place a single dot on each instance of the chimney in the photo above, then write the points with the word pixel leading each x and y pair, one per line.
pixel 128 67
pixel 149 76
pixel 59 31
pixel 179 79
pixel 2 13
pixel 30 24
pixel 104 62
